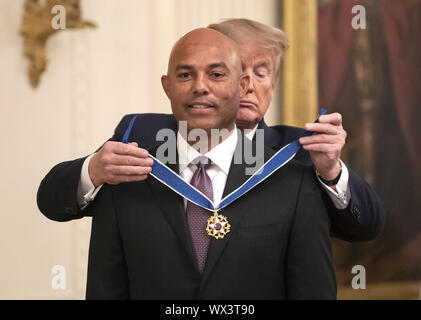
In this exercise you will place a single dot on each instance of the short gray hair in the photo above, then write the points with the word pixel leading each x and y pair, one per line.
pixel 259 34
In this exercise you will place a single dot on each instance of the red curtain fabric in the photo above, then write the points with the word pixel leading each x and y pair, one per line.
pixel 401 21
pixel 402 32
pixel 335 37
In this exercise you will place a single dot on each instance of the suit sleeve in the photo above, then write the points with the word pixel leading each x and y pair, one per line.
pixel 310 273
pixel 57 193
pixel 107 268
pixel 364 217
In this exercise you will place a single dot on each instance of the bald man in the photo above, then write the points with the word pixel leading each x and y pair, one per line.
pixel 148 242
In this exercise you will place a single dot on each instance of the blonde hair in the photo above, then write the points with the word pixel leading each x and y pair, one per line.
pixel 262 35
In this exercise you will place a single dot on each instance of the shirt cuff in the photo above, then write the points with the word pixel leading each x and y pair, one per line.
pixel 342 195
pixel 86 191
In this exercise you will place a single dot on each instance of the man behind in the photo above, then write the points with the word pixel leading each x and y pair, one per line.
pixel 149 243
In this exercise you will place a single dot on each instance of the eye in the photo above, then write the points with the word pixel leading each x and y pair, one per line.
pixel 217 75
pixel 261 72
pixel 184 75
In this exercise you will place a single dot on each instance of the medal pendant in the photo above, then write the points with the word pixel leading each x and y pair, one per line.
pixel 218 226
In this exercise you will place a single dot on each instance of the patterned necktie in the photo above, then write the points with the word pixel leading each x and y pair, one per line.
pixel 196 216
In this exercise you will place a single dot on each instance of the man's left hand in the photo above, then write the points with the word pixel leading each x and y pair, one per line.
pixel 326 144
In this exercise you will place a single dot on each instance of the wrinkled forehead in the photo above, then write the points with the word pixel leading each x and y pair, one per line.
pixel 253 55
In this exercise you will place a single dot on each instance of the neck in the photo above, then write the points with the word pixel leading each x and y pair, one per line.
pixel 205 140
pixel 243 125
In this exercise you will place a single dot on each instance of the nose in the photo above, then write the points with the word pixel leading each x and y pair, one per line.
pixel 250 88
pixel 200 86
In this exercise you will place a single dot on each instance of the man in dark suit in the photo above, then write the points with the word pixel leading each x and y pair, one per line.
pixel 147 243
pixel 355 210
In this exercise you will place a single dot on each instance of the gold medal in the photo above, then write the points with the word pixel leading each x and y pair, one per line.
pixel 218 226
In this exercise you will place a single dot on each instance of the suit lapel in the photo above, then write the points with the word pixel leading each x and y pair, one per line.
pixel 272 137
pixel 172 206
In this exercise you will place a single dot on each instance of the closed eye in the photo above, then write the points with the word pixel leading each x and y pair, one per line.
pixel 261 73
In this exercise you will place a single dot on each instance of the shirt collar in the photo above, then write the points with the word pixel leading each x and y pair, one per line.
pixel 221 155
pixel 249 133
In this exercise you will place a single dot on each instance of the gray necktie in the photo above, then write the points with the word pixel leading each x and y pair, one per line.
pixel 196 216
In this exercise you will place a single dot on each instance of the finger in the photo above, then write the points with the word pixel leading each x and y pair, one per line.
pixel 333 118
pixel 128 170
pixel 131 150
pixel 322 138
pixel 323 128
pixel 322 147
pixel 134 144
pixel 131 161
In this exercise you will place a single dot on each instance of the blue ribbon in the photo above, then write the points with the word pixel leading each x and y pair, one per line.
pixel 128 130
pixel 171 179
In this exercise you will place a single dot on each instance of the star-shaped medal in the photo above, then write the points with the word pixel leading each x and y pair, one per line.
pixel 218 226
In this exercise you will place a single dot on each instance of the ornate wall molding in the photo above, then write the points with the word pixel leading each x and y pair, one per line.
pixel 37 27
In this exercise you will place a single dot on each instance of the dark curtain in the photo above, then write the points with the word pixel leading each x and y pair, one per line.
pixel 373 78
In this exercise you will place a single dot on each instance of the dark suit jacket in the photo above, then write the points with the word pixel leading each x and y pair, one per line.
pixel 141 248
pixel 362 220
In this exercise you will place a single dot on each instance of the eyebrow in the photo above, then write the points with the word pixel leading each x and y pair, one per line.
pixel 184 67
pixel 218 65
pixel 211 66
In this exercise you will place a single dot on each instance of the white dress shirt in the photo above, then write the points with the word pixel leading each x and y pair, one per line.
pixel 221 156
pixel 86 191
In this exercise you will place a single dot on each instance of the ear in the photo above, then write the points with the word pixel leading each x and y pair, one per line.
pixel 244 84
pixel 166 85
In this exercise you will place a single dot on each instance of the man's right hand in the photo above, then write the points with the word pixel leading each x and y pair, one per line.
pixel 117 162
